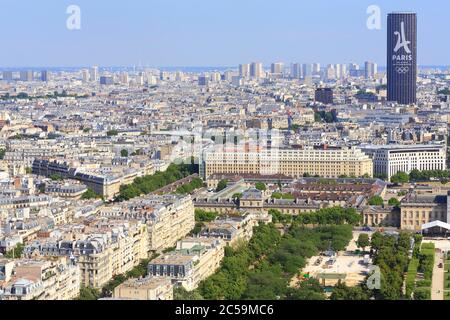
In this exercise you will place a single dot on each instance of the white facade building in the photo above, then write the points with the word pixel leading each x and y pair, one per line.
pixel 391 159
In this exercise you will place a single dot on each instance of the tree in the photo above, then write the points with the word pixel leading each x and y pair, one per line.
pixel 342 292
pixel 376 201
pixel 16 252
pixel 307 290
pixel 363 241
pixel 88 293
pixel 394 202
pixel 56 177
pixel 222 185
pixel 400 178
pixel 112 133
pixel 204 216
pixel 179 293
pixel 376 241
pixel 2 153
pixel 260 186
pixel 89 194
pixel 124 153
pixel 237 196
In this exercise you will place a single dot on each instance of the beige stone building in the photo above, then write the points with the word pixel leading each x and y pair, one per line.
pixel 170 222
pixel 145 289
pixel 54 279
pixel 419 209
pixel 194 260
pixel 325 162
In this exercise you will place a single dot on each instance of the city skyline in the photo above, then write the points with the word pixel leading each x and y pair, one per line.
pixel 206 34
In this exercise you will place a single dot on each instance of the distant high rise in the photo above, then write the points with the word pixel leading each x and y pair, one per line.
pixel 85 75
pixel 44 75
pixel 331 72
pixel 324 95
pixel 402 57
pixel 244 70
pixel 124 79
pixel 256 70
pixel 94 74
pixel 306 70
pixel 370 69
pixel 228 75
pixel 106 80
pixel 203 80
pixel 215 77
pixel 277 68
pixel 316 68
pixel 7 76
pixel 26 75
pixel 338 71
pixel 296 71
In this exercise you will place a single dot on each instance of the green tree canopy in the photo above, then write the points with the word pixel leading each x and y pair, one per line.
pixel 400 178
pixel 376 201
pixel 222 185
pixel 363 241
pixel 260 186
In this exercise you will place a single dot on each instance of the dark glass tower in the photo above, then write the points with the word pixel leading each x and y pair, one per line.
pixel 402 57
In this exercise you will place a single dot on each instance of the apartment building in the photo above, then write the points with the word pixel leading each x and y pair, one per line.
pixel 194 260
pixel 145 289
pixel 101 255
pixel 324 162
pixel 232 230
pixel 55 279
pixel 173 218
pixel 391 159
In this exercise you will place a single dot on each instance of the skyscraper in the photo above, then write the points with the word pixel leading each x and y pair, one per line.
pixel 277 68
pixel 44 75
pixel 94 73
pixel 7 75
pixel 244 70
pixel 296 71
pixel 85 75
pixel 306 70
pixel 402 57
pixel 256 70
pixel 316 68
pixel 370 69
pixel 26 75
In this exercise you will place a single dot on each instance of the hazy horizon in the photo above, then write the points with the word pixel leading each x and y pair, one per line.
pixel 210 33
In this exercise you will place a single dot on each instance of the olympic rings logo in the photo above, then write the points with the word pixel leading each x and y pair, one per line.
pixel 402 70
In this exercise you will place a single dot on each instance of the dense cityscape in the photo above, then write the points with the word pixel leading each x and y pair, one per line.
pixel 288 181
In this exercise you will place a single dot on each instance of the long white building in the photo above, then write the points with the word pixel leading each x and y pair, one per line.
pixel 391 159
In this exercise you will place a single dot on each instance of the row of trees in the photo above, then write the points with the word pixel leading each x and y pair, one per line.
pixel 190 187
pixel 378 201
pixel 148 184
pixel 325 216
pixel 391 256
pixel 330 216
pixel 418 176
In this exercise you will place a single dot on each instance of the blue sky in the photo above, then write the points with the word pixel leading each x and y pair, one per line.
pixel 210 32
